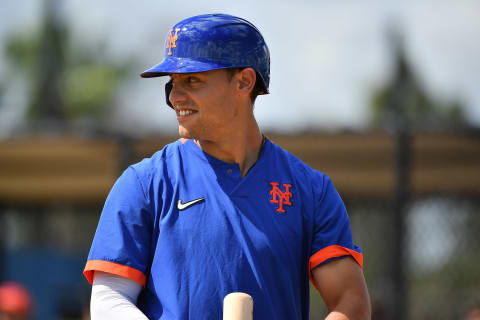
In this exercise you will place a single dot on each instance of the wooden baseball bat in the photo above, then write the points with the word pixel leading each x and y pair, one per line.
pixel 237 306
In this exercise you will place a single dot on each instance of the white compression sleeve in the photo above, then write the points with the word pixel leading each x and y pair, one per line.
pixel 114 297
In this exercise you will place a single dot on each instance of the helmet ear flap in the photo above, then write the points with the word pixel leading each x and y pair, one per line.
pixel 168 89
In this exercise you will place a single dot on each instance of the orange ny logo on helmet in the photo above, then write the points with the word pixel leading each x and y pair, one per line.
pixel 282 198
pixel 171 40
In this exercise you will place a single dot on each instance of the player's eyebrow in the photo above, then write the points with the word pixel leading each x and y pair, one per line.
pixel 183 75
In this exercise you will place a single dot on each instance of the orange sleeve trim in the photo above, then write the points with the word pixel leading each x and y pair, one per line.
pixel 113 268
pixel 333 251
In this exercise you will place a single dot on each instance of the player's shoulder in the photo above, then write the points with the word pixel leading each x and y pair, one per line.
pixel 296 164
pixel 308 179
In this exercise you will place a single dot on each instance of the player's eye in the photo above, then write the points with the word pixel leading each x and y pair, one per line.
pixel 192 80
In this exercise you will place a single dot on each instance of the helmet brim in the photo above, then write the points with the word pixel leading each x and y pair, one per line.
pixel 171 65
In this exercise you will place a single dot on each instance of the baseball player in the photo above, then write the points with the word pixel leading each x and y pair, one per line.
pixel 222 209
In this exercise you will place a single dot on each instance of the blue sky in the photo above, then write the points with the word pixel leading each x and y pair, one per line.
pixel 327 56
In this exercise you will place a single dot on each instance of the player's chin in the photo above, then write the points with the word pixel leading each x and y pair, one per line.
pixel 185 133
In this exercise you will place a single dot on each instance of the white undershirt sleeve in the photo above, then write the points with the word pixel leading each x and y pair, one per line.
pixel 114 297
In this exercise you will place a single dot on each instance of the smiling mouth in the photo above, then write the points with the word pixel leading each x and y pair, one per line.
pixel 183 112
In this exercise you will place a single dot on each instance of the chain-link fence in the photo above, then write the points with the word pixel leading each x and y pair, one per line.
pixel 45 243
pixel 442 278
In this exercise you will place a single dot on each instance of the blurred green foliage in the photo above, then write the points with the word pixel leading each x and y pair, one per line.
pixel 66 79
pixel 404 99
pixel 89 89
pixel 422 109
pixel 22 50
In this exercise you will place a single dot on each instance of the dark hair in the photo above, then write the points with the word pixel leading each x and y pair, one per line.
pixel 257 89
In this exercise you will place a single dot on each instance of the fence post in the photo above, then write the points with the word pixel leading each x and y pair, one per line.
pixel 3 236
pixel 401 98
pixel 400 208
pixel 126 152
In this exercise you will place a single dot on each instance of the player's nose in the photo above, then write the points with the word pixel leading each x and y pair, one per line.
pixel 177 95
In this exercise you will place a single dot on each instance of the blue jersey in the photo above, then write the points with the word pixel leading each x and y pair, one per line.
pixel 190 229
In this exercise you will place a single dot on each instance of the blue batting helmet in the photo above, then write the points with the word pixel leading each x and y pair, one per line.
pixel 214 41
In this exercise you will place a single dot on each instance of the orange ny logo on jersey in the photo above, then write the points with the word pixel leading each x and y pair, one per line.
pixel 282 198
pixel 171 40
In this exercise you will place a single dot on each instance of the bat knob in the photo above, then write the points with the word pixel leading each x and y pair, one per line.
pixel 237 306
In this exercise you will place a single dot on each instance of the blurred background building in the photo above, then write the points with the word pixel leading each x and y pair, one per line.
pixel 383 96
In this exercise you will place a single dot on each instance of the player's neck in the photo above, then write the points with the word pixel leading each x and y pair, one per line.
pixel 241 146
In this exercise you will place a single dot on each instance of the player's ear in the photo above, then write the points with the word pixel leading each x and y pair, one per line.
pixel 246 80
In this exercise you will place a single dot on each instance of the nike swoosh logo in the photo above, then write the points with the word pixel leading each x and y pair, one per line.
pixel 183 206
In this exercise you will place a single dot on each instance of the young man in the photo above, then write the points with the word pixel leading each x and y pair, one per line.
pixel 223 209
